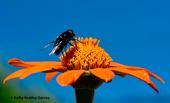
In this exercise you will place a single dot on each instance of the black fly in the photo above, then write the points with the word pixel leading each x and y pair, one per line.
pixel 62 41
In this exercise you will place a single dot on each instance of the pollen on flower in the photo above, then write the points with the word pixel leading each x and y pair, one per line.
pixel 85 54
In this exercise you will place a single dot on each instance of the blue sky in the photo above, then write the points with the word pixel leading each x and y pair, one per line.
pixel 133 32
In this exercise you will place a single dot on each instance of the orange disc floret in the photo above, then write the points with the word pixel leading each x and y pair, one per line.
pixel 84 65
pixel 86 55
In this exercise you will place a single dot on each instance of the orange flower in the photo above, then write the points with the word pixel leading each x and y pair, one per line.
pixel 84 58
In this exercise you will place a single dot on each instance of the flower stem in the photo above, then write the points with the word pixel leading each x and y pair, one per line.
pixel 84 95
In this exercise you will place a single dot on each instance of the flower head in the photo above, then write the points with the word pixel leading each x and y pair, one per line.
pixel 84 63
pixel 86 55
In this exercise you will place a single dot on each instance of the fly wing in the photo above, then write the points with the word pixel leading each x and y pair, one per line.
pixel 56 48
pixel 58 40
pixel 49 44
pixel 55 42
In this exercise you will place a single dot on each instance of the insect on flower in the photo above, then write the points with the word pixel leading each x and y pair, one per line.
pixel 84 66
pixel 62 41
pixel 88 59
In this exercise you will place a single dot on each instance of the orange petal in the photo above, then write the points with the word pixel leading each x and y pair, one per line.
pixel 45 63
pixel 69 77
pixel 18 63
pixel 15 75
pixel 103 74
pixel 115 64
pixel 150 73
pixel 151 84
pixel 47 66
pixel 35 69
pixel 141 74
pixel 50 75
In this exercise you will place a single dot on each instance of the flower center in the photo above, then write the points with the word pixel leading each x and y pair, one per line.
pixel 86 55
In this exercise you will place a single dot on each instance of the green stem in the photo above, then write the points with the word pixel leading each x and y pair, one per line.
pixel 84 95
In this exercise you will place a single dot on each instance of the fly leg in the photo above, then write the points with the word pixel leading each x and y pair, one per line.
pixel 65 51
pixel 75 42
pixel 74 39
pixel 73 45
